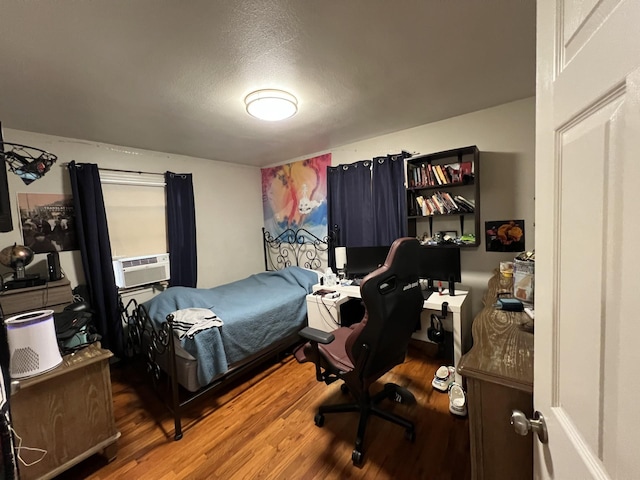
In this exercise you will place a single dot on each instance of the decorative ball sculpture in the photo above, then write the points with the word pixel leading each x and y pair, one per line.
pixel 16 257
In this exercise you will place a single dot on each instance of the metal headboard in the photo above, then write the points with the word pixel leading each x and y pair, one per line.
pixel 298 247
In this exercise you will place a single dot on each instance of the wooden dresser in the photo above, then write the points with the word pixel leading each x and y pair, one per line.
pixel 52 295
pixel 499 376
pixel 68 412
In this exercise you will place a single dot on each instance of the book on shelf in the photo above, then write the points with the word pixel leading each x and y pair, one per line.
pixel 431 181
pixel 450 201
pixel 445 174
pixel 436 178
pixel 450 205
pixel 464 204
pixel 453 169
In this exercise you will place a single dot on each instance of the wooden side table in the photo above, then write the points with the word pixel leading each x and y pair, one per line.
pixel 52 295
pixel 499 375
pixel 68 412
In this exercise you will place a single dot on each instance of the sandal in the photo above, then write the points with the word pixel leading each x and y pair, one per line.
pixel 443 378
pixel 457 400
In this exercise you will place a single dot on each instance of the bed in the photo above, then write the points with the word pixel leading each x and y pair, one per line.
pixel 255 319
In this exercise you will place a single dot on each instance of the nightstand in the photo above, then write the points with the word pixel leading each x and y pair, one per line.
pixel 68 412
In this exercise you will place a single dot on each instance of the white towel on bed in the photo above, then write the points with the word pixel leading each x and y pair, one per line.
pixel 189 321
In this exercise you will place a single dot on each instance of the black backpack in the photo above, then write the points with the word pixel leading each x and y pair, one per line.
pixel 74 328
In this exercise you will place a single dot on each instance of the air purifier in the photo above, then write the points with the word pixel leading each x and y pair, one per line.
pixel 33 347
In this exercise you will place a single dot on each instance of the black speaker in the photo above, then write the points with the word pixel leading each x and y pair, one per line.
pixel 435 332
pixel 53 264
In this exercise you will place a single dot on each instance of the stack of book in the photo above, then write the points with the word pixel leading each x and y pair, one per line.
pixel 443 203
pixel 428 175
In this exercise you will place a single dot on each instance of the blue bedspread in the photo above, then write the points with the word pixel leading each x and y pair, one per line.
pixel 257 312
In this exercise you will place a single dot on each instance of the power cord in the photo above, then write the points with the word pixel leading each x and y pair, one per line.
pixel 333 319
pixel 30 449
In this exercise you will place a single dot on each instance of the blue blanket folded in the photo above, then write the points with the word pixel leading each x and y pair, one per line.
pixel 257 312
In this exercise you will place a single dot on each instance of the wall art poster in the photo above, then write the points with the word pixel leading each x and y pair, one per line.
pixel 48 222
pixel 505 236
pixel 295 196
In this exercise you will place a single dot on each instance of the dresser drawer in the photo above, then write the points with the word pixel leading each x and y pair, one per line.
pixel 52 295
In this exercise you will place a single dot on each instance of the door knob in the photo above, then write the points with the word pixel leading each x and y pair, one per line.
pixel 522 425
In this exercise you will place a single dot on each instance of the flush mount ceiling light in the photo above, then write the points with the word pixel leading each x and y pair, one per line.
pixel 271 105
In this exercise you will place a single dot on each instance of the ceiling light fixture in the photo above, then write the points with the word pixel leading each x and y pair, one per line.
pixel 271 105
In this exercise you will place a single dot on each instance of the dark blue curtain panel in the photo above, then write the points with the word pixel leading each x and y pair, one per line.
pixel 95 248
pixel 181 229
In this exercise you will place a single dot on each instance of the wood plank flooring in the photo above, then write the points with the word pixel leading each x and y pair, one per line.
pixel 262 428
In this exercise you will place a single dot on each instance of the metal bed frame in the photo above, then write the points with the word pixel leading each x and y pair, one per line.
pixel 149 343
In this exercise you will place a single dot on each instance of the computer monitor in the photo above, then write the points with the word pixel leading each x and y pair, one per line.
pixel 440 264
pixel 363 260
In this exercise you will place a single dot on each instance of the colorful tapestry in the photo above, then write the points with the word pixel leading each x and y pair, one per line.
pixel 295 196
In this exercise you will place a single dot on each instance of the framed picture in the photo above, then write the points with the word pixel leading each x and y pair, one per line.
pixel 48 222
pixel 446 236
pixel 505 236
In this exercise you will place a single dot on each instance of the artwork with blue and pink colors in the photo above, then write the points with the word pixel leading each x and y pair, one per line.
pixel 295 196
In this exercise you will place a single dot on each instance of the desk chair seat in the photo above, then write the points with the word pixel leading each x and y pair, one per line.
pixel 360 354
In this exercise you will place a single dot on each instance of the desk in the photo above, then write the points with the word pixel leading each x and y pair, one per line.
pixel 458 320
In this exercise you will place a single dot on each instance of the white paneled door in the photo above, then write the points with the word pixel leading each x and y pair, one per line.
pixel 587 330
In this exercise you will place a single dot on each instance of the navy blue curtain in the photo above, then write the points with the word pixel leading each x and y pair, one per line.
pixel 181 229
pixel 349 203
pixel 389 199
pixel 95 248
pixel 367 201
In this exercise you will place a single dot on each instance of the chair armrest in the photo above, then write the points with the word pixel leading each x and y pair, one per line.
pixel 316 335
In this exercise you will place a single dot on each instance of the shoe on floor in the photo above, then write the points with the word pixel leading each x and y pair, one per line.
pixel 443 377
pixel 457 400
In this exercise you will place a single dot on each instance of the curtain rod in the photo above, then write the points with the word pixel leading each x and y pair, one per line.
pixel 66 164
pixel 130 171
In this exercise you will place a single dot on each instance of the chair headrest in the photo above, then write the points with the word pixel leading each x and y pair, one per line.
pixel 401 265
pixel 393 302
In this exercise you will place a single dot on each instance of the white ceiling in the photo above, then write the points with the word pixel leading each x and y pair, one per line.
pixel 171 75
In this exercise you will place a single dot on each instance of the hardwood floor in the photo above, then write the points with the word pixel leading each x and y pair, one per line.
pixel 262 428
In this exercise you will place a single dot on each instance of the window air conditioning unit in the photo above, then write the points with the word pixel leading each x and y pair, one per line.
pixel 143 270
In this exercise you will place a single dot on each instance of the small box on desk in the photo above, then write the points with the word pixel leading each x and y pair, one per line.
pixel 510 305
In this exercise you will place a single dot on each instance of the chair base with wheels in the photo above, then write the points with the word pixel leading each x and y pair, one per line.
pixel 367 407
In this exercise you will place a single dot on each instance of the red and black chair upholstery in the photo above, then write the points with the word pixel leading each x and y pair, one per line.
pixel 360 354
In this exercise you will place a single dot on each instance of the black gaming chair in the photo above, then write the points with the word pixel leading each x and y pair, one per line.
pixel 362 353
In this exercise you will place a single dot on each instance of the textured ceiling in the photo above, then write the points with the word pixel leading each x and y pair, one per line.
pixel 171 75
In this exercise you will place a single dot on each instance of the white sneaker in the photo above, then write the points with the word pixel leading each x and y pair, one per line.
pixel 457 400
pixel 443 377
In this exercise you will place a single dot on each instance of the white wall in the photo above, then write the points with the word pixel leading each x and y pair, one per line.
pixel 505 136
pixel 228 203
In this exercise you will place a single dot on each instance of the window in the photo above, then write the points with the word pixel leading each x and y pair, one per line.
pixel 136 213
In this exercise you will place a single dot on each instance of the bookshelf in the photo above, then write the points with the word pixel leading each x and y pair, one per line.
pixel 443 193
